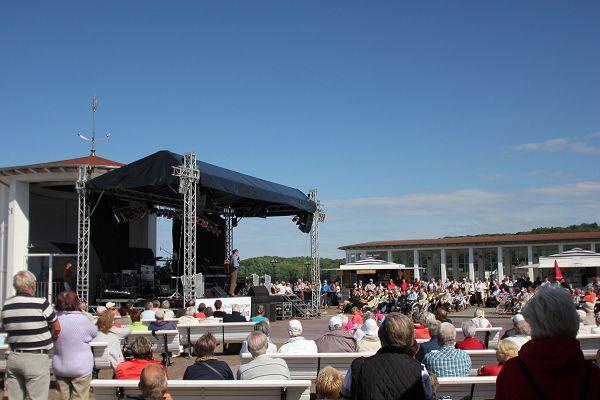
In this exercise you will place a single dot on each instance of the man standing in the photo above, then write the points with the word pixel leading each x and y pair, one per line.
pixel 234 264
pixel 32 325
pixel 67 278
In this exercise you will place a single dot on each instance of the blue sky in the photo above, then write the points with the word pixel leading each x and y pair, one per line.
pixel 413 119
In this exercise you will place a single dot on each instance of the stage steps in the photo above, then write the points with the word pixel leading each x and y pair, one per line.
pixel 301 309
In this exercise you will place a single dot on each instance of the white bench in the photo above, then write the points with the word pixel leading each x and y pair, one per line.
pixel 232 332
pixel 589 341
pixel 106 389
pixel 479 358
pixel 479 388
pixel 492 335
pixel 164 342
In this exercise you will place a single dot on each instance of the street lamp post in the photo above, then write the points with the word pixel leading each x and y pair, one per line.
pixel 274 263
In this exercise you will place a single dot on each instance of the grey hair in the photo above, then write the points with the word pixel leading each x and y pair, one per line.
pixel 447 333
pixel 263 326
pixel 551 314
pixel 479 313
pixel 427 318
pixel 236 308
pixel 153 381
pixel 434 328
pixel 344 319
pixel 523 328
pixel 190 311
pixel 165 304
pixel 149 305
pixel 581 315
pixel 257 343
pixel 468 329
pixel 23 281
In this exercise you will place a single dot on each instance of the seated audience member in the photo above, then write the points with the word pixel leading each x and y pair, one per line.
pixel 100 310
pixel 479 319
pixel 218 313
pixel 448 361
pixel 514 330
pixel 148 312
pixel 141 349
pixel 110 306
pixel 596 329
pixel 209 316
pixel 189 318
pixel 551 365
pixel 402 378
pixel 296 344
pixel 506 350
pixel 588 308
pixel 423 320
pixel 136 324
pixel 521 329
pixel 431 344
pixel 83 307
pixel 200 311
pixel 160 324
pixel 329 384
pixel 153 383
pixel 166 307
pixel 265 328
pixel 207 366
pixel 470 342
pixel 590 296
pixel 370 342
pixel 235 316
pixel 442 315
pixel 260 311
pixel 262 366
pixel 106 333
pixel 336 340
pixel 155 305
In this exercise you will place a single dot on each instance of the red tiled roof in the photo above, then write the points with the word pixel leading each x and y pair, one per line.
pixel 69 165
pixel 478 239
pixel 89 160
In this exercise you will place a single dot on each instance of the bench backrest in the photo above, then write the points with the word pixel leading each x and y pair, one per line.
pixel 484 387
pixel 105 389
pixel 589 341
pixel 479 358
pixel 494 335
pixel 159 339
pixel 100 352
pixel 234 332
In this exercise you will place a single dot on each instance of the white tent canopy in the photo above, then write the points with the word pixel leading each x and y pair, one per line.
pixel 370 264
pixel 574 258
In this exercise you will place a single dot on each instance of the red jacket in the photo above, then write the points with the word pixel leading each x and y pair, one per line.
pixel 133 368
pixel 421 332
pixel 490 370
pixel 557 366
pixel 470 344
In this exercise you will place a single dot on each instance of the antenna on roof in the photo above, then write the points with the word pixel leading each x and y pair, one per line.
pixel 93 139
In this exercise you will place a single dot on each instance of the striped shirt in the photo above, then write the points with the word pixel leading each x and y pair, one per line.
pixel 27 321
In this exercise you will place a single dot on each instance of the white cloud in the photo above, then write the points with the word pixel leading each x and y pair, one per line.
pixel 560 144
pixel 571 189
pixel 492 177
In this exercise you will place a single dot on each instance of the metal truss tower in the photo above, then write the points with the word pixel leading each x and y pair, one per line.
pixel 83 233
pixel 318 217
pixel 229 214
pixel 189 175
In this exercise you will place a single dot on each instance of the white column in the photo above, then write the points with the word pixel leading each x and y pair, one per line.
pixel 593 247
pixel 471 265
pixel 18 231
pixel 389 255
pixel 500 265
pixel 417 274
pixel 561 248
pixel 530 262
pixel 363 255
pixel 3 240
pixel 443 264
pixel 455 262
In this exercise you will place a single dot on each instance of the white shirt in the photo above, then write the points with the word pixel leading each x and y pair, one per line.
pixel 481 322
pixel 299 345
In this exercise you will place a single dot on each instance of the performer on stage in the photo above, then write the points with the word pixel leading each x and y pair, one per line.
pixel 67 279
pixel 234 264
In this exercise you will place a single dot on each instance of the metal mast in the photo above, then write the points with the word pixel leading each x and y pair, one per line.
pixel 229 214
pixel 189 175
pixel 83 233
pixel 318 216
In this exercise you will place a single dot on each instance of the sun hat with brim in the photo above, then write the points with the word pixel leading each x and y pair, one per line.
pixel 370 327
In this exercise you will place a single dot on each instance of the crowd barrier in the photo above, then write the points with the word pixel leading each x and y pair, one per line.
pixel 210 390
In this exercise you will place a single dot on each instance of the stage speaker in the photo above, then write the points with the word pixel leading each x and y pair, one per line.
pixel 219 292
pixel 258 291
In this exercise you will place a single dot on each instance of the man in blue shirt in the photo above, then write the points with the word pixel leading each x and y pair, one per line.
pixel 234 264
pixel 325 288
pixel 448 361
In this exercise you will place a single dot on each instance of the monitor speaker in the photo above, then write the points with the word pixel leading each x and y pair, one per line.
pixel 258 291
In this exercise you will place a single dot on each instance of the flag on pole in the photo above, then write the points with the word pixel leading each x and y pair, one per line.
pixel 557 274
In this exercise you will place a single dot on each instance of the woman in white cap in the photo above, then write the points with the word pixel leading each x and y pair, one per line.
pixel 370 342
pixel 296 344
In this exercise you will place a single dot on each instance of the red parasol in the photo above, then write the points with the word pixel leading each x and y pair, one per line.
pixel 557 274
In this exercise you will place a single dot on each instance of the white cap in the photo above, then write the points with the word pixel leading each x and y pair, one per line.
pixel 100 309
pixel 295 326
pixel 110 304
pixel 335 321
pixel 370 327
pixel 517 318
pixel 160 314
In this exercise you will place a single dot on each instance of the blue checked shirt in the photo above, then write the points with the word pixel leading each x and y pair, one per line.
pixel 448 362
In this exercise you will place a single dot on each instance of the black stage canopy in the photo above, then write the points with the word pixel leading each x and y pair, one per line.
pixel 150 179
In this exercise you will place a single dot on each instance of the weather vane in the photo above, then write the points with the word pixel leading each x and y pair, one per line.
pixel 93 139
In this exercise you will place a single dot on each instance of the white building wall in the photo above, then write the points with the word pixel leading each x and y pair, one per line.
pixel 18 230
pixel 3 238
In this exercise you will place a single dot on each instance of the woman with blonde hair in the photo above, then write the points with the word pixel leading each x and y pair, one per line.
pixel 506 350
pixel 329 384
pixel 106 334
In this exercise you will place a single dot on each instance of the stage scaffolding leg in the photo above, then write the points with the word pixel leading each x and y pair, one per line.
pixel 83 234
pixel 228 213
pixel 319 216
pixel 189 175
